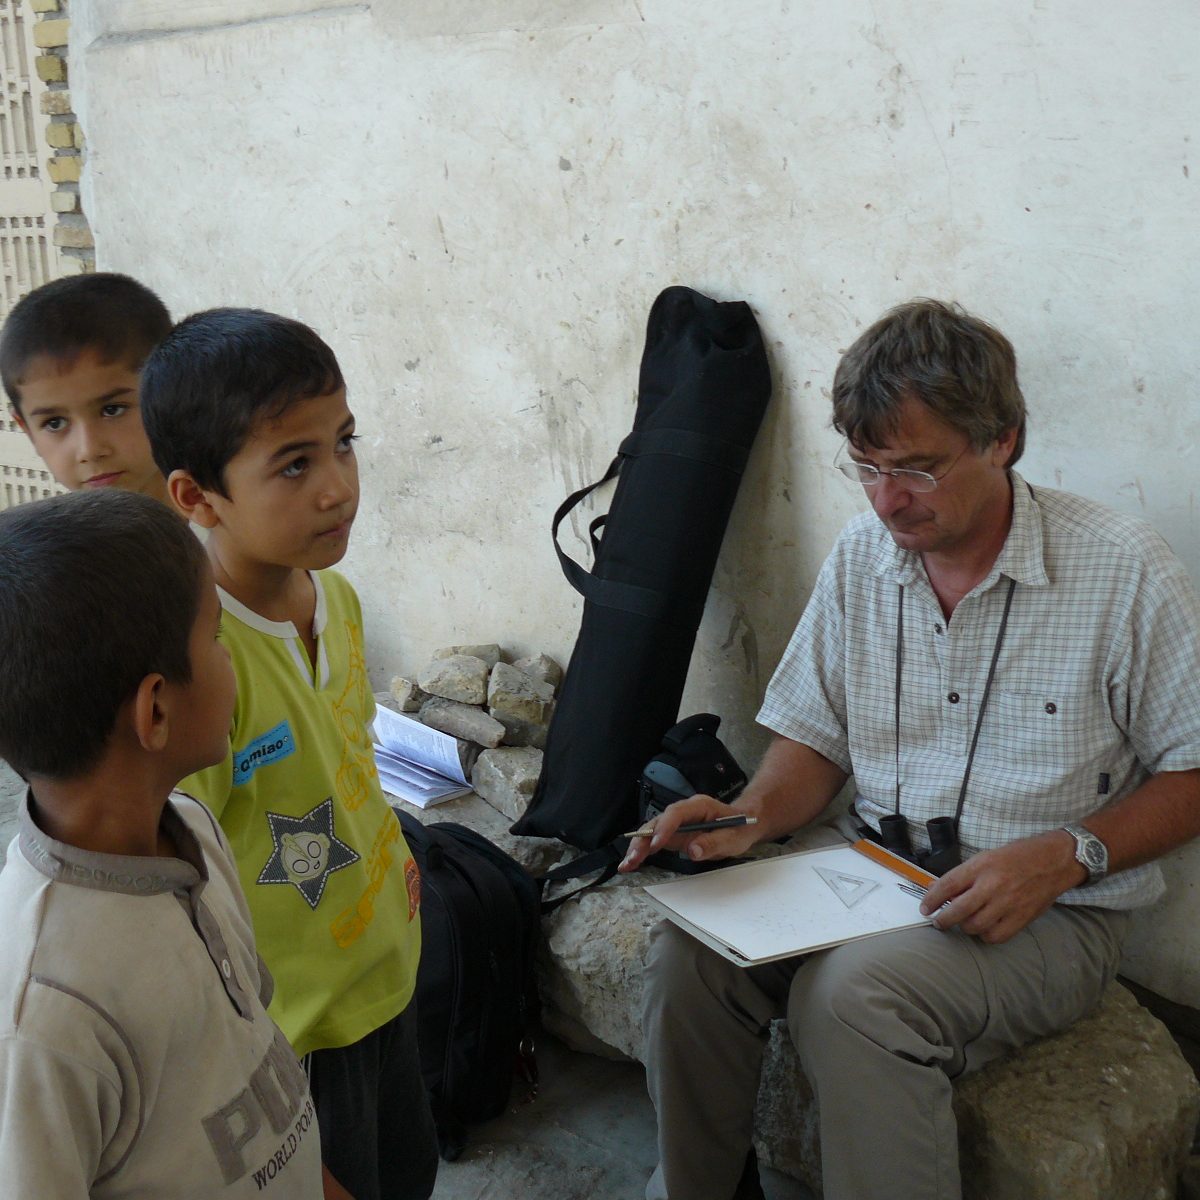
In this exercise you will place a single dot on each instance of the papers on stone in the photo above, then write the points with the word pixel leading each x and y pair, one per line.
pixel 774 908
pixel 416 763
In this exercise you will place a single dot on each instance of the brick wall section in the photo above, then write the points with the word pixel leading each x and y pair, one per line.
pixel 72 234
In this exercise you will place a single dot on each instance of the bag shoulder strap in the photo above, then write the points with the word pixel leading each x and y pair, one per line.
pixel 604 860
pixel 608 593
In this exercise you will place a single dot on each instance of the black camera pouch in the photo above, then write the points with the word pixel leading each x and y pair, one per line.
pixel 692 761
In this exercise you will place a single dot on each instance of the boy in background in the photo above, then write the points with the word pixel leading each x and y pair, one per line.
pixel 136 1054
pixel 70 355
pixel 248 419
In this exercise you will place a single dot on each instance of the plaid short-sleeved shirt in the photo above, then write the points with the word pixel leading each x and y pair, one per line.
pixel 1097 686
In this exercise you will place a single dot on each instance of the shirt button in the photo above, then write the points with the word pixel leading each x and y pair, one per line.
pixel 937 629
pixel 226 968
pixel 1051 707
pixel 953 697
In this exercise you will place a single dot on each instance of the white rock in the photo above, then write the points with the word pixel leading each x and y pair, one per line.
pixel 490 652
pixel 461 721
pixel 506 778
pixel 460 677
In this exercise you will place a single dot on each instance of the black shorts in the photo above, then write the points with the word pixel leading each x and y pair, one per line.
pixel 377 1132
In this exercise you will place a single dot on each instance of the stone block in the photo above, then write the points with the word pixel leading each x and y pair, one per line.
pixel 505 778
pixel 44 6
pixel 1107 1108
pixel 512 693
pixel 65 168
pixel 51 68
pixel 525 733
pixel 64 202
pixel 56 104
pixel 461 721
pixel 490 652
pixel 591 962
pixel 406 694
pixel 49 34
pixel 73 233
pixel 60 135
pixel 542 668
pixel 461 677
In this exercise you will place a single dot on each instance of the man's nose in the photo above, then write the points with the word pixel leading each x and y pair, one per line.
pixel 888 497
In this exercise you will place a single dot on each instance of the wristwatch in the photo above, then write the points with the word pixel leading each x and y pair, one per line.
pixel 1090 851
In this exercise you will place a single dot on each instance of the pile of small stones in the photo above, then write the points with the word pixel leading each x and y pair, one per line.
pixel 499 711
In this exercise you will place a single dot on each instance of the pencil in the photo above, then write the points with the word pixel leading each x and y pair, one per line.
pixel 698 826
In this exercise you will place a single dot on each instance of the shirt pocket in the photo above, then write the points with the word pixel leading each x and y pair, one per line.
pixel 1047 732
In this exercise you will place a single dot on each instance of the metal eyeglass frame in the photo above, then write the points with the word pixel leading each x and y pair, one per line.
pixel 909 480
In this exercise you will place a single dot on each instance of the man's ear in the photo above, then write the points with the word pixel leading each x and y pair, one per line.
pixel 15 413
pixel 149 713
pixel 191 499
pixel 1006 443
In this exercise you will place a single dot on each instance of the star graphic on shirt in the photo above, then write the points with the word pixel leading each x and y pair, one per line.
pixel 307 851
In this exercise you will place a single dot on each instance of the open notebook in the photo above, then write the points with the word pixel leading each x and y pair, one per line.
pixel 416 763
pixel 774 908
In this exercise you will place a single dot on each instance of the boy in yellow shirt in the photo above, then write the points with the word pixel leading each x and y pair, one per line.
pixel 70 355
pixel 248 420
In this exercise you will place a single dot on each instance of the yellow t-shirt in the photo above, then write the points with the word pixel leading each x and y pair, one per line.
pixel 333 889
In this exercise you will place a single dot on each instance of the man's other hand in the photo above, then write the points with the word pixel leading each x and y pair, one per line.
pixel 720 843
pixel 996 893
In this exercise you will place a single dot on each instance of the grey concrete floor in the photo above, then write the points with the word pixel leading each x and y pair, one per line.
pixel 589 1133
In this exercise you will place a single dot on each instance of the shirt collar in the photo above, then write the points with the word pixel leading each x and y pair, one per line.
pixel 1020 558
pixel 284 630
pixel 131 875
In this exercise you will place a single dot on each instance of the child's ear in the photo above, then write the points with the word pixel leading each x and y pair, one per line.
pixel 150 723
pixel 15 413
pixel 191 499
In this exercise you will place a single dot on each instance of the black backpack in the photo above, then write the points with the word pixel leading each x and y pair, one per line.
pixel 476 994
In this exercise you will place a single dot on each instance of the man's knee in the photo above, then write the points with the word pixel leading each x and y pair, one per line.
pixel 883 990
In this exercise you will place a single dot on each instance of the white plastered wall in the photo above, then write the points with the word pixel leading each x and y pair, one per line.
pixel 476 204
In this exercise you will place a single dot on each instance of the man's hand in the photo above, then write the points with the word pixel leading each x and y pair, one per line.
pixel 996 893
pixel 721 843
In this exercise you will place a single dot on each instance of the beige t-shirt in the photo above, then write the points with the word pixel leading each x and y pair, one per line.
pixel 136 1054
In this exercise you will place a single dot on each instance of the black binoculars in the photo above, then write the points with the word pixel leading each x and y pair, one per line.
pixel 943 854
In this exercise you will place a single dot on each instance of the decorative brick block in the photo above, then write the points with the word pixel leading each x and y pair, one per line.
pixel 61 135
pixel 50 34
pixel 51 68
pixel 75 235
pixel 65 168
pixel 56 104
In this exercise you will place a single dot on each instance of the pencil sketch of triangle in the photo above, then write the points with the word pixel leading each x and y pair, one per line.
pixel 849 889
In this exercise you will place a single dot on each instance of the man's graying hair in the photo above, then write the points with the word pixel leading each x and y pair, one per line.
pixel 960 367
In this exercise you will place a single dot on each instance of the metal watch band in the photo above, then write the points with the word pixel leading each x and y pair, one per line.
pixel 1090 852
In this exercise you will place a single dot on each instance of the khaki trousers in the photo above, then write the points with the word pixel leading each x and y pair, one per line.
pixel 883 1026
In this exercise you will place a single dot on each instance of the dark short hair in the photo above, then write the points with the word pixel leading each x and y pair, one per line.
pixel 220 373
pixel 97 591
pixel 119 318
pixel 963 369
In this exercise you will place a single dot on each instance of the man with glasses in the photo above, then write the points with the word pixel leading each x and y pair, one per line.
pixel 1013 669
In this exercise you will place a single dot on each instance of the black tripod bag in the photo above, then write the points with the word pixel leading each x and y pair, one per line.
pixel 703 388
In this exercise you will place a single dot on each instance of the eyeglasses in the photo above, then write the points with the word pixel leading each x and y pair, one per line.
pixel 910 481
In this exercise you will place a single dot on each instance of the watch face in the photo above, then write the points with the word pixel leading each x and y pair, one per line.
pixel 1094 853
